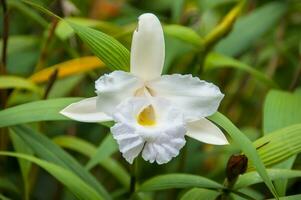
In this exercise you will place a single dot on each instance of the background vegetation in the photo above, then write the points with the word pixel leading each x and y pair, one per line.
pixel 250 49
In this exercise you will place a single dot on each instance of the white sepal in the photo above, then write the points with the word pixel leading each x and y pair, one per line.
pixel 85 111
pixel 205 131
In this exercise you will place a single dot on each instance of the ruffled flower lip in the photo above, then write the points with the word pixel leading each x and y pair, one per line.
pixel 158 142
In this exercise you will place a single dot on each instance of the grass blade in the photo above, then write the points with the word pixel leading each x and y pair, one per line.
pixel 88 149
pixel 47 150
pixel 171 181
pixel 79 188
pixel 239 39
pixel 215 61
pixel 200 193
pixel 107 147
pixel 15 82
pixel 44 110
pixel 252 178
pixel 68 68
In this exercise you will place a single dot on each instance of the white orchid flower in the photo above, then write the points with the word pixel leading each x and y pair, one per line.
pixel 153 112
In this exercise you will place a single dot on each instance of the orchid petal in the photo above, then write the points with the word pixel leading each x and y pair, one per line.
pixel 148 48
pixel 205 131
pixel 159 142
pixel 113 88
pixel 85 111
pixel 196 98
pixel 166 146
pixel 130 143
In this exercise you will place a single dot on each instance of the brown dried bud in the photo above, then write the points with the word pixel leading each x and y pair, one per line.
pixel 237 164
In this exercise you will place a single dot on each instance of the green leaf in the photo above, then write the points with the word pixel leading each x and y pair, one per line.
pixel 64 31
pixel 254 194
pixel 200 194
pixel 278 145
pixel 78 187
pixel 246 146
pixel 239 39
pixel 47 150
pixel 44 110
pixel 281 109
pixel 22 54
pixel 175 50
pixel 108 49
pixel 69 83
pixel 15 82
pixel 107 147
pixel 292 197
pixel 183 33
pixel 25 166
pixel 171 181
pixel 176 10
pixel 2 197
pixel 6 184
pixel 28 12
pixel 225 26
pixel 216 61
pixel 88 149
pixel 252 178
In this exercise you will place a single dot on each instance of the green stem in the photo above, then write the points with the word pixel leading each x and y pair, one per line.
pixel 133 180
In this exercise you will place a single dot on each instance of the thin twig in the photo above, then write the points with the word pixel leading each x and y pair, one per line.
pixel 296 79
pixel 3 62
pixel 133 178
pixel 5 36
pixel 52 79
pixel 44 51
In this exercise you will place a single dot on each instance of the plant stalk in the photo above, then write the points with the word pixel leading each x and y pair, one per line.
pixel 133 180
pixel 3 63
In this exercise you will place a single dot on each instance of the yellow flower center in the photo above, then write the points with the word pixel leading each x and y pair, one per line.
pixel 147 116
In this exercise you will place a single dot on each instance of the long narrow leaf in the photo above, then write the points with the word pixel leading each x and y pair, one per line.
pixel 15 82
pixel 88 149
pixel 6 184
pixel 25 166
pixel 215 61
pixel 105 149
pixel 251 178
pixel 246 146
pixel 44 110
pixel 108 49
pixel 199 194
pixel 292 197
pixel 171 181
pixel 281 109
pixel 47 150
pixel 240 39
pixel 68 68
pixel 79 188
pixel 278 145
pixel 183 33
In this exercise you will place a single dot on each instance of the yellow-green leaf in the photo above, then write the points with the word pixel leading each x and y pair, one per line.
pixel 68 68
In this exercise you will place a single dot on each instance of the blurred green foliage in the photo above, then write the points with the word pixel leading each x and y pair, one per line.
pixel 251 49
